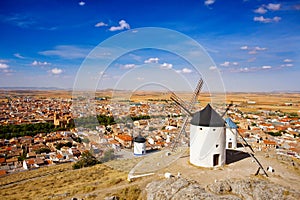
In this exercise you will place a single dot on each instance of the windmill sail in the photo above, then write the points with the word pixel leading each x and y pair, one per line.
pixel 227 109
pixel 187 108
pixel 251 154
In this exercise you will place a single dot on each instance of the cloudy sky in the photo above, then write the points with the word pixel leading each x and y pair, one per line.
pixel 254 44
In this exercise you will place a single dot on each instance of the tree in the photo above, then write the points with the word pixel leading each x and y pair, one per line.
pixel 86 160
pixel 43 150
pixel 108 155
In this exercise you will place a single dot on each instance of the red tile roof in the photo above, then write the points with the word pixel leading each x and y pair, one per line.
pixel 269 142
pixel 2 160
pixel 2 172
pixel 30 161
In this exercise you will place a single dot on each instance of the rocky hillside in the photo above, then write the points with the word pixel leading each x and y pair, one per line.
pixel 249 188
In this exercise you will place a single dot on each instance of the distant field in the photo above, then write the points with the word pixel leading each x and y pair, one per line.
pixel 264 101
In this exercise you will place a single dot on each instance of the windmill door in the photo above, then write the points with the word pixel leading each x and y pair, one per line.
pixel 230 145
pixel 216 159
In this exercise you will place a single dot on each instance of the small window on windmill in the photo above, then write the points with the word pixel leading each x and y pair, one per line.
pixel 217 145
pixel 214 129
pixel 200 129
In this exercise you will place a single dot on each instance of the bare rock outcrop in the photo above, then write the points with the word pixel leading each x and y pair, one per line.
pixel 236 189
pixel 180 188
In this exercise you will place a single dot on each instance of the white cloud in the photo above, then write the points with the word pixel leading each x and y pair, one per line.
pixel 251 59
pixel 128 66
pixel 260 10
pixel 273 6
pixel 81 3
pixel 266 20
pixel 3 66
pixel 152 60
pixel 296 7
pixel 266 67
pixel 56 71
pixel 166 66
pixel 186 70
pixel 260 48
pixel 17 55
pixel 287 65
pixel 261 19
pixel 122 25
pixel 67 51
pixel 213 68
pixel 252 52
pixel 209 2
pixel 7 71
pixel 276 19
pixel 288 60
pixel 235 63
pixel 245 69
pixel 100 24
pixel 38 63
pixel 244 47
pixel 140 78
pixel 225 64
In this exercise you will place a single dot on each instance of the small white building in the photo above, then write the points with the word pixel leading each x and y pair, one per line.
pixel 231 134
pixel 207 138
pixel 139 146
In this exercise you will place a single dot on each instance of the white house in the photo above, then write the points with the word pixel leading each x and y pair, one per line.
pixel 231 134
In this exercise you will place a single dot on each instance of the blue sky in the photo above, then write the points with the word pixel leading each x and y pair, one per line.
pixel 255 44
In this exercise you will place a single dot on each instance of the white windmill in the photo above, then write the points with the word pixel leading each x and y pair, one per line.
pixel 207 138
pixel 139 146
pixel 207 134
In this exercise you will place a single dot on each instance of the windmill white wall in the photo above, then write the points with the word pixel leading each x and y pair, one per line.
pixel 231 134
pixel 139 146
pixel 207 139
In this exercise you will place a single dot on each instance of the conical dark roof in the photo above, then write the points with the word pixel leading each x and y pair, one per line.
pixel 139 139
pixel 207 117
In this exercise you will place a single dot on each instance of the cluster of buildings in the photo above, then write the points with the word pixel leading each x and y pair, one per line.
pixel 268 130
pixel 26 110
pixel 264 131
pixel 27 152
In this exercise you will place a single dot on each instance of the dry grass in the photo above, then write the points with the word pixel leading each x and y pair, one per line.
pixel 124 165
pixel 60 182
pixel 129 193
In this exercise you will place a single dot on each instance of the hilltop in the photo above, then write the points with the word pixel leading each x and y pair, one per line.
pixel 110 179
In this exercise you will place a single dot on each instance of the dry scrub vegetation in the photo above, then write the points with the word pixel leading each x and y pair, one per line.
pixel 62 182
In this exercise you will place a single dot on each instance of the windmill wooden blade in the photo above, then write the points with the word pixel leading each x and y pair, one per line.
pixel 186 108
pixel 228 107
pixel 182 106
pixel 178 100
pixel 182 130
pixel 247 144
pixel 250 154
